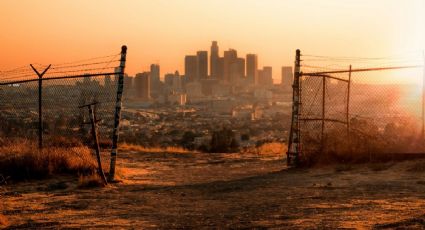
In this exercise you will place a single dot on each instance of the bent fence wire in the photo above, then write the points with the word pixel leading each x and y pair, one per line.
pixel 65 87
pixel 361 105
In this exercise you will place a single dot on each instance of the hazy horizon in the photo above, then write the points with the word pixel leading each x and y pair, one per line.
pixel 164 32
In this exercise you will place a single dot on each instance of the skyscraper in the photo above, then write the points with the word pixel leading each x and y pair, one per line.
pixel 202 65
pixel 190 65
pixel 267 75
pixel 155 73
pixel 287 76
pixel 237 70
pixel 155 81
pixel 214 59
pixel 251 68
pixel 230 57
pixel 220 68
pixel 142 85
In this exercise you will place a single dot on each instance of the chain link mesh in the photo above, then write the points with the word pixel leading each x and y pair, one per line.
pixel 65 88
pixel 375 108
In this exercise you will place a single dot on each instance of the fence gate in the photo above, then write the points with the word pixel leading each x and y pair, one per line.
pixel 356 108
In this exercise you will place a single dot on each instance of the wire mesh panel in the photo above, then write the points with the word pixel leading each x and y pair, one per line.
pixel 65 88
pixel 19 110
pixel 360 105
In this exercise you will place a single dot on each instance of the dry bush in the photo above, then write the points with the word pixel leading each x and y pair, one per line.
pixel 21 159
pixel 273 148
pixel 3 221
pixel 268 148
pixel 397 140
pixel 139 148
pixel 90 181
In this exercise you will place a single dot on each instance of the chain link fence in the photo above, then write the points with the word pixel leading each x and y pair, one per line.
pixel 361 107
pixel 64 89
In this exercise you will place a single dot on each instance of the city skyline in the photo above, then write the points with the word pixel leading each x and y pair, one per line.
pixel 272 30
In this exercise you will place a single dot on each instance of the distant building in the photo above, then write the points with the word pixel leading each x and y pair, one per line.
pixel 202 65
pixel 142 86
pixel 265 76
pixel 214 60
pixel 155 74
pixel 128 85
pixel 177 98
pixel 174 82
pixel 108 81
pixel 230 57
pixel 194 90
pixel 237 70
pixel 287 76
pixel 220 69
pixel 251 68
pixel 190 68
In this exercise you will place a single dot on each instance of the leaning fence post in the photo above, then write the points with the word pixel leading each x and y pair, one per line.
pixel 117 117
pixel 348 109
pixel 294 148
pixel 423 105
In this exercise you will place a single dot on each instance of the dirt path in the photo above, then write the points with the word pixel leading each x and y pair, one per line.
pixel 225 191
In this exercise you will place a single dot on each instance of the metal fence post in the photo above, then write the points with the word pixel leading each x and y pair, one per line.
pixel 348 109
pixel 322 137
pixel 117 117
pixel 40 105
pixel 294 134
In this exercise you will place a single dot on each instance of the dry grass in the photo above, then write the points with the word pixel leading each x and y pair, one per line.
pixel 274 148
pixel 142 149
pixel 3 221
pixel 90 181
pixel 22 160
pixel 271 149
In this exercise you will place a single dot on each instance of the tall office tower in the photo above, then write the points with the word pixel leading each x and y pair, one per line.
pixel 142 84
pixel 155 81
pixel 116 76
pixel 267 75
pixel 251 68
pixel 237 70
pixel 241 67
pixel 202 65
pixel 128 84
pixel 108 81
pixel 287 77
pixel 173 81
pixel 220 69
pixel 190 65
pixel 230 57
pixel 214 60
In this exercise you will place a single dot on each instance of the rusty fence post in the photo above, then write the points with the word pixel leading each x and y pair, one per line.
pixel 117 117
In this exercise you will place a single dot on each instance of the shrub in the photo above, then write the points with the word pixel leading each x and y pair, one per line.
pixel 3 221
pixel 21 159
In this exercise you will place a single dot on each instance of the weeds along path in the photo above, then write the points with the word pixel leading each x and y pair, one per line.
pixel 194 190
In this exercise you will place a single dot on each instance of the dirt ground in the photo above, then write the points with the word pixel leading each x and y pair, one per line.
pixel 210 191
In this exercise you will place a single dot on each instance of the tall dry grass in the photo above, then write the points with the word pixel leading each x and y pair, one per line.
pixel 142 149
pixel 3 221
pixel 272 149
pixel 21 159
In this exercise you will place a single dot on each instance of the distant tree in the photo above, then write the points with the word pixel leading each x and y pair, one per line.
pixel 245 137
pixel 224 141
pixel 187 140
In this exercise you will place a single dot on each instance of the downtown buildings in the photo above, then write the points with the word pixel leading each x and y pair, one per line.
pixel 208 75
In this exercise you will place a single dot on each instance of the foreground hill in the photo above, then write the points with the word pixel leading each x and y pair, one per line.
pixel 193 190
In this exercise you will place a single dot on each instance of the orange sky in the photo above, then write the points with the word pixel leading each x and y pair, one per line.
pixel 163 31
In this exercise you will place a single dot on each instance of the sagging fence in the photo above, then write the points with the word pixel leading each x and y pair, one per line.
pixel 47 107
pixel 354 108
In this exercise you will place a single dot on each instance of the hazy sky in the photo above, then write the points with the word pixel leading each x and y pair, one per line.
pixel 163 31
